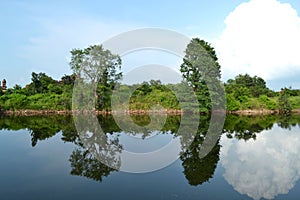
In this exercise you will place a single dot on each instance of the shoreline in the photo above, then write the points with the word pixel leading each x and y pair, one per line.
pixel 260 112
pixel 28 112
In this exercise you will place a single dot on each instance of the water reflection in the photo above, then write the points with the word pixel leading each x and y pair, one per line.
pixel 266 164
pixel 196 170
pixel 259 153
pixel 84 164
pixel 265 167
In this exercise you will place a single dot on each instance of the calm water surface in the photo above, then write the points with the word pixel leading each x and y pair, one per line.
pixel 255 158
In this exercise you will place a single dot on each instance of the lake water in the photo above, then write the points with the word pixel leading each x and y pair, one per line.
pixel 256 157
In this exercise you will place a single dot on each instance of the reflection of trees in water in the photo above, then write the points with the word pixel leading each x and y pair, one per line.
pixel 246 127
pixel 83 163
pixel 196 170
pixel 98 141
pixel 287 121
pixel 40 127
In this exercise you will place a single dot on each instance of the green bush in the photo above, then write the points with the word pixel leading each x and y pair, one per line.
pixel 295 102
pixel 231 103
pixel 267 103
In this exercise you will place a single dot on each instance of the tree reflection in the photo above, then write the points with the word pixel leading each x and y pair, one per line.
pixel 83 163
pixel 287 121
pixel 246 127
pixel 197 170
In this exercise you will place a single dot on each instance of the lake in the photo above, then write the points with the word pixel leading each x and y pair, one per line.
pixel 255 157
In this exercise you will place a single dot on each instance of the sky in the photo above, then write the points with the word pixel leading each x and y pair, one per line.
pixel 258 37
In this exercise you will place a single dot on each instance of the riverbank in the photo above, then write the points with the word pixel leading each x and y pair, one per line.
pixel 260 112
pixel 98 112
pixel 27 112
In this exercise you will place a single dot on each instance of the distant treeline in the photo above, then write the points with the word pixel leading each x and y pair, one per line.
pixel 242 93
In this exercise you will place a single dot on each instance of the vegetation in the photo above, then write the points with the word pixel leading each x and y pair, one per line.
pixel 97 66
pixel 43 93
pixel 246 92
pixel 284 103
pixel 200 67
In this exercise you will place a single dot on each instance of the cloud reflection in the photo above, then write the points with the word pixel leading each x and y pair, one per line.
pixel 265 167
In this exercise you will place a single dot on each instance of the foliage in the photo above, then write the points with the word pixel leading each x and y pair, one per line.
pixel 150 94
pixel 284 103
pixel 295 102
pixel 232 103
pixel 39 83
pixel 247 85
pixel 200 67
pixel 267 103
pixel 246 92
pixel 99 66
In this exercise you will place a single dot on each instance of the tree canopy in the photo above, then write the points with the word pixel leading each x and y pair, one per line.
pixel 96 64
pixel 200 67
pixel 200 63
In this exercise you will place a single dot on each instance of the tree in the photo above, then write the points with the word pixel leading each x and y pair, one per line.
pixel 40 83
pixel 97 65
pixel 283 102
pixel 255 85
pixel 68 79
pixel 200 67
pixel 200 60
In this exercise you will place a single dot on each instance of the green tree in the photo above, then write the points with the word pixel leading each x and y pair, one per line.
pixel 255 86
pixel 40 83
pixel 68 79
pixel 283 102
pixel 200 67
pixel 97 65
pixel 200 61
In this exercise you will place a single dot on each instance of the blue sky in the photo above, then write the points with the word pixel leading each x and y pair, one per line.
pixel 257 36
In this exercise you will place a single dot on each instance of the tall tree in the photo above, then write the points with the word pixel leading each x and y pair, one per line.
pixel 200 61
pixel 99 66
pixel 96 64
pixel 200 67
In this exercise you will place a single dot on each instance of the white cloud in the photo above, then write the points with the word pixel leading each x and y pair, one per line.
pixel 261 38
pixel 265 167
